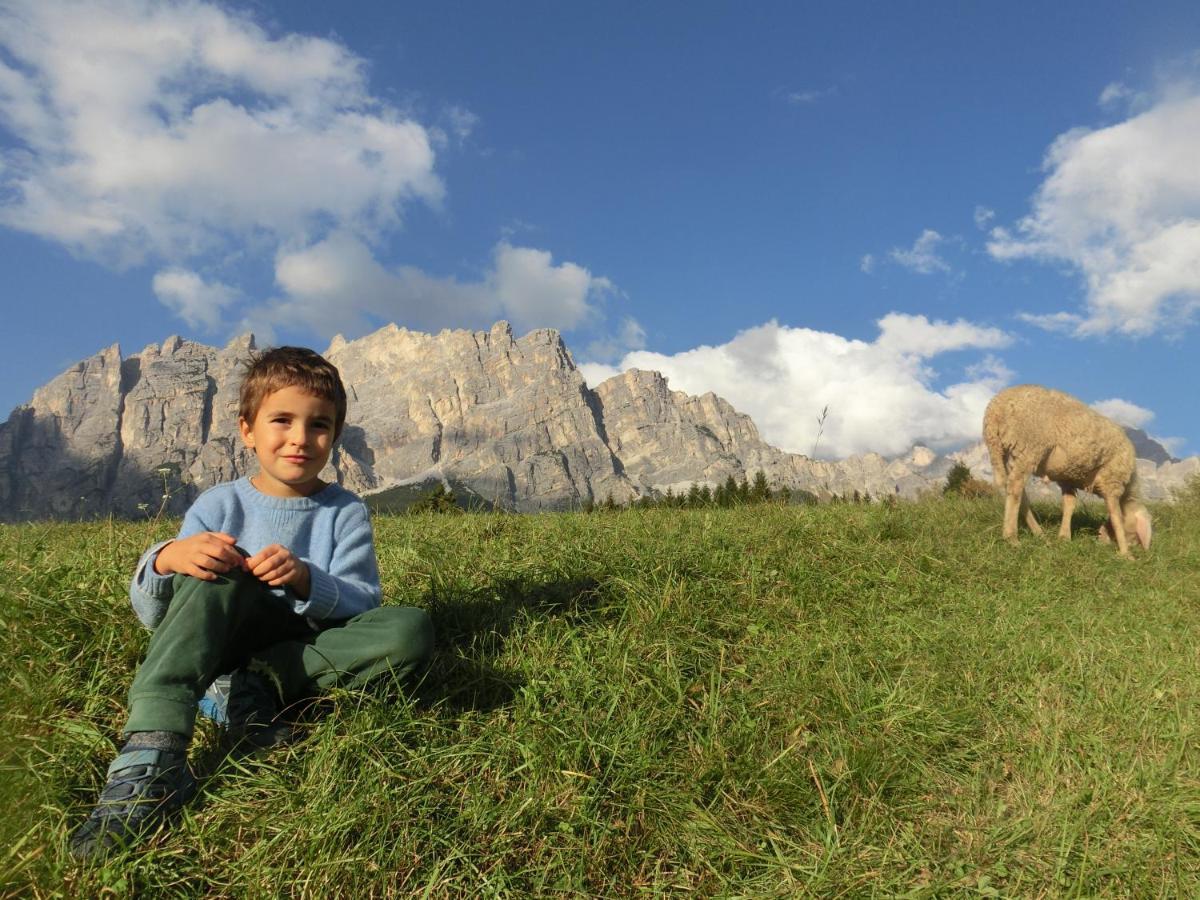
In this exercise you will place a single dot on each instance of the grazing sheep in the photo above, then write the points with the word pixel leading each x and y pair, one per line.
pixel 1032 430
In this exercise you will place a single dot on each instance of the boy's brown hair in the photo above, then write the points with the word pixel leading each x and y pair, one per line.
pixel 281 367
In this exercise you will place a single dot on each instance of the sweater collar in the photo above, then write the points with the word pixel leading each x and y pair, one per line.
pixel 252 495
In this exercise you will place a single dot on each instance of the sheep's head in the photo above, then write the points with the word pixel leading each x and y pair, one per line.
pixel 1137 525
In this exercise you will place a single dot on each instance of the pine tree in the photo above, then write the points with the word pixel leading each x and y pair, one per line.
pixel 729 491
pixel 957 478
pixel 760 492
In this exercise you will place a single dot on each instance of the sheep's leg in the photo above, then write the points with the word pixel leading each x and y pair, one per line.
pixel 1064 530
pixel 1014 504
pixel 1027 514
pixel 1118 523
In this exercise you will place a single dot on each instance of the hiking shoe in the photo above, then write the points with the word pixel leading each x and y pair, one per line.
pixel 254 705
pixel 214 704
pixel 145 786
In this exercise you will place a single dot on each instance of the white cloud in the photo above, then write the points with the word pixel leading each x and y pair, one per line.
pixel 1124 413
pixel 1121 205
pixel 880 394
pixel 983 217
pixel 165 131
pixel 535 293
pixel 1115 93
pixel 1062 322
pixel 923 256
pixel 460 122
pixel 810 96
pixel 867 263
pixel 197 302
pixel 337 286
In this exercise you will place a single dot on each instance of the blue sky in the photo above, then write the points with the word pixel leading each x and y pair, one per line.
pixel 890 210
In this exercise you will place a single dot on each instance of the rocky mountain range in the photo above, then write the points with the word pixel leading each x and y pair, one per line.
pixel 508 420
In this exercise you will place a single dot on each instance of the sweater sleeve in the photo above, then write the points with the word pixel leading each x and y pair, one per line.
pixel 351 586
pixel 150 593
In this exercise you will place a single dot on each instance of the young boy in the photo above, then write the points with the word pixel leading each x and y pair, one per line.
pixel 273 578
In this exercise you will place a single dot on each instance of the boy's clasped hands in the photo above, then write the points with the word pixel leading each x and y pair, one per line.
pixel 209 553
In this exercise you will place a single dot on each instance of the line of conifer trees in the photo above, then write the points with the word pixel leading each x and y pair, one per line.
pixel 731 493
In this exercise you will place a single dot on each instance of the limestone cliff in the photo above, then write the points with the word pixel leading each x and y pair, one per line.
pixel 508 418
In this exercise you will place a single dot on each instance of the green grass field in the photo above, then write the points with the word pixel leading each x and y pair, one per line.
pixel 842 700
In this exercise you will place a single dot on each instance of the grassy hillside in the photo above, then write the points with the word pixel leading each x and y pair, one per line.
pixel 835 700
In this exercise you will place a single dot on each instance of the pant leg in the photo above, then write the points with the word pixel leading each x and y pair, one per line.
pixel 391 640
pixel 209 627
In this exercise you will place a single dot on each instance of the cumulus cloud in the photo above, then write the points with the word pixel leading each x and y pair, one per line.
pixel 1124 413
pixel 923 256
pixel 196 301
pixel 337 285
pixel 174 133
pixel 166 130
pixel 1121 206
pixel 881 394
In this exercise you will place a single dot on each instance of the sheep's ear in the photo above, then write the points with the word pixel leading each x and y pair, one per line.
pixel 1144 529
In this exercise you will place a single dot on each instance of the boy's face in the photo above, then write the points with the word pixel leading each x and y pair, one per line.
pixel 292 436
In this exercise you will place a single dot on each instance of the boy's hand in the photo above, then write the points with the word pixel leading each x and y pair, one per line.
pixel 203 556
pixel 277 565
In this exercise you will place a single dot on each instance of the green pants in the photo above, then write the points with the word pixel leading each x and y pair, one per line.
pixel 213 627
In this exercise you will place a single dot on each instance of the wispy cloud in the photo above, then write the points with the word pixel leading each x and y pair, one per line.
pixel 809 96
pixel 1121 206
pixel 1115 93
pixel 922 257
pixel 627 337
pixel 881 394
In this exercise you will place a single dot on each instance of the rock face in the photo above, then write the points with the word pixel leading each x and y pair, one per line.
pixel 511 419
pixel 126 436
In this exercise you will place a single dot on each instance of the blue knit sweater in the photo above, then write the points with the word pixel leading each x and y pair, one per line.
pixel 329 530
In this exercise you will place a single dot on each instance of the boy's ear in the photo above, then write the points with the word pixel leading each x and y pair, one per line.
pixel 247 432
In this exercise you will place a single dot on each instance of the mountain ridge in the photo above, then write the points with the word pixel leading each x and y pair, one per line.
pixel 509 418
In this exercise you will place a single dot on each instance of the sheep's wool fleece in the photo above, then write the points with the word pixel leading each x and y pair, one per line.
pixel 1061 438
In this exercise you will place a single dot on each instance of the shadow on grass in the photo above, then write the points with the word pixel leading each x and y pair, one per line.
pixel 1087 519
pixel 471 632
